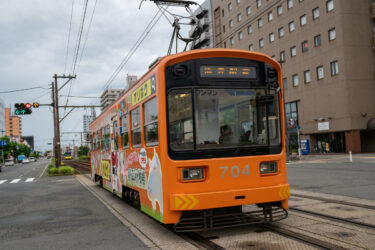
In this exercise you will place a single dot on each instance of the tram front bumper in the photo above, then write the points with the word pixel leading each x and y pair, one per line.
pixel 200 201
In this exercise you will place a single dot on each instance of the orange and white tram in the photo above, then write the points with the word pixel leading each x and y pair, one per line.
pixel 199 136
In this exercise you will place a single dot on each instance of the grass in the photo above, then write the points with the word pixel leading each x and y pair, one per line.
pixel 66 170
pixel 84 158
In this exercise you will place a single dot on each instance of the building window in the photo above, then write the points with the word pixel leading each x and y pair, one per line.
pixel 223 28
pixel 261 43
pixel 292 119
pixel 260 22
pixel 282 56
pixel 272 37
pixel 334 68
pixel 222 12
pixel 259 3
pixel 332 34
pixel 305 46
pixel 270 16
pixel 281 32
pixel 151 122
pixel 315 13
pixel 303 20
pixel 225 44
pixel 232 41
pixel 229 6
pixel 249 29
pixel 248 10
pixel 307 76
pixel 279 10
pixel 320 72
pixel 230 23
pixel 290 4
pixel 251 47
pixel 330 6
pixel 239 17
pixel 295 80
pixel 238 1
pixel 317 41
pixel 285 83
pixel 136 127
pixel 273 57
pixel 240 35
pixel 293 51
pixel 291 26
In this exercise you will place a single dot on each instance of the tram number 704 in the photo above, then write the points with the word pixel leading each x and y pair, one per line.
pixel 235 171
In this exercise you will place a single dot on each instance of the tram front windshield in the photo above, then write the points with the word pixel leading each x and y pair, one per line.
pixel 223 118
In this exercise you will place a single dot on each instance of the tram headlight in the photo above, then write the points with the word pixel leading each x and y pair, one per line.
pixel 192 174
pixel 268 167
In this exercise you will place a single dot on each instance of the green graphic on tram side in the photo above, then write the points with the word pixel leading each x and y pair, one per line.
pixel 148 210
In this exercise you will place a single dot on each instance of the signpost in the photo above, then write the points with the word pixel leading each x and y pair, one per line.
pixel 3 143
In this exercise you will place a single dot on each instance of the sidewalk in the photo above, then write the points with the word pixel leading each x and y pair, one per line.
pixel 328 157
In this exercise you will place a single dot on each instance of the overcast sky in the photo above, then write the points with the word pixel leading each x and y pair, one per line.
pixel 33 47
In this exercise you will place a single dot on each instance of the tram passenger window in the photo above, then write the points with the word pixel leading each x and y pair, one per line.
pixel 107 138
pixel 151 122
pixel 180 127
pixel 102 139
pixel 115 134
pixel 124 131
pixel 136 127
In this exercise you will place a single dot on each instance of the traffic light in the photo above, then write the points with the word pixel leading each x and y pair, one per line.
pixel 36 104
pixel 23 109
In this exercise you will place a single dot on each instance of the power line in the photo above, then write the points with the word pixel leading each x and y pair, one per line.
pixel 70 28
pixel 140 39
pixel 19 90
pixel 93 97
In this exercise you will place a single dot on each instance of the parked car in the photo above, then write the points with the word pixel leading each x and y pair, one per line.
pixel 9 162
pixel 32 159
pixel 26 160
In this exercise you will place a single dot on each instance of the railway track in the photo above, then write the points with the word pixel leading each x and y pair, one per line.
pixel 331 217
pixel 80 166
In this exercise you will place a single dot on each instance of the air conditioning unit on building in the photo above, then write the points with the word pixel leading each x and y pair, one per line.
pixel 372 11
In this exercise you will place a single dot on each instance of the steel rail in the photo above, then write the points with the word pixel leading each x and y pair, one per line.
pixel 334 218
pixel 334 201
pixel 301 237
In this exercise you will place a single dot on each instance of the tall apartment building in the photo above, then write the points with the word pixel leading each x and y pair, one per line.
pixel 2 118
pixel 130 80
pixel 108 97
pixel 327 52
pixel 13 128
pixel 87 119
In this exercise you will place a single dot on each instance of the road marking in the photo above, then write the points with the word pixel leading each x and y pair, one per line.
pixel 29 179
pixel 15 181
pixel 2 181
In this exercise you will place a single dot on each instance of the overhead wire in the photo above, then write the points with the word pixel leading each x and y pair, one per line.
pixel 139 41
pixel 70 28
pixel 19 90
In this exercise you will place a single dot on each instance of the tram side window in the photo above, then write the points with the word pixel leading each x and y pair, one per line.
pixel 124 131
pixel 115 134
pixel 180 120
pixel 136 127
pixel 151 122
pixel 107 138
pixel 102 138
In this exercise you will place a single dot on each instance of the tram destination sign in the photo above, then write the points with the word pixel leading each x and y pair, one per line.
pixel 209 71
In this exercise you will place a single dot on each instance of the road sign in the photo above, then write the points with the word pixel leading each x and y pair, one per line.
pixel 3 143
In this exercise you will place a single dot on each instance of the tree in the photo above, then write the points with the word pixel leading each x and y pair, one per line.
pixel 83 150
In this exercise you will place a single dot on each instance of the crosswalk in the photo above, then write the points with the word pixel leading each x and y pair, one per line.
pixel 18 180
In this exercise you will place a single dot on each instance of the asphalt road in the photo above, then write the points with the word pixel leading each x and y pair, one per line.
pixel 335 175
pixel 55 213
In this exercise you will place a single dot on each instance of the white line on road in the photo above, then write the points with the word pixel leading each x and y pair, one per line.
pixel 29 179
pixel 15 181
pixel 2 181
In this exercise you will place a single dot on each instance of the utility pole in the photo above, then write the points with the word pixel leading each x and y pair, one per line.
pixel 56 114
pixel 54 123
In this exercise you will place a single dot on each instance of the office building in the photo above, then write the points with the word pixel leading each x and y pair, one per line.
pixel 13 128
pixel 29 140
pixel 327 52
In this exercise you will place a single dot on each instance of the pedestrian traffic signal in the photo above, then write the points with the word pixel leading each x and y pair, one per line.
pixel 22 109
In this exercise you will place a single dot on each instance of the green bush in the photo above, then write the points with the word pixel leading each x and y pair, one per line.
pixel 50 166
pixel 67 170
pixel 52 171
